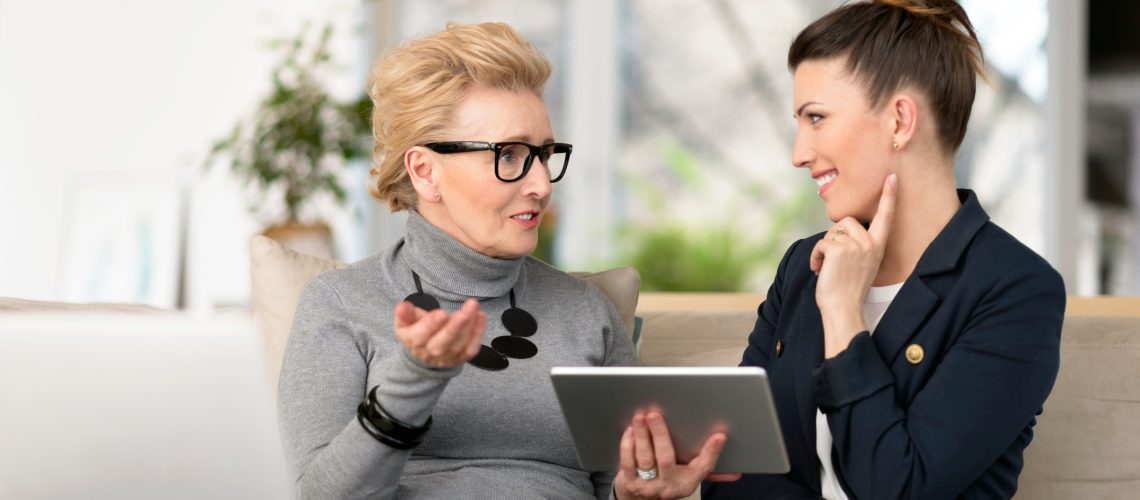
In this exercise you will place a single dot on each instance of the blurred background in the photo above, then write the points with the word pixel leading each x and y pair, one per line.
pixel 143 143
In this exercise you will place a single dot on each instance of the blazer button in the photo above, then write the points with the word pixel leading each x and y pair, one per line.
pixel 779 347
pixel 915 354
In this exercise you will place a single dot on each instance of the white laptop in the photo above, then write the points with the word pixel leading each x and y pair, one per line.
pixel 99 407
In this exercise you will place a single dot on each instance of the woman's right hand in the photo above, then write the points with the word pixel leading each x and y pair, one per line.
pixel 438 339
pixel 647 446
pixel 847 260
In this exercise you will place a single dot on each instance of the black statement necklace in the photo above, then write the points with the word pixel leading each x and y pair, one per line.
pixel 520 323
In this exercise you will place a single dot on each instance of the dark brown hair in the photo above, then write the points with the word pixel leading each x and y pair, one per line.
pixel 889 44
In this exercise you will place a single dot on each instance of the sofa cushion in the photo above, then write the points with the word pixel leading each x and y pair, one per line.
pixel 1087 440
pixel 695 338
pixel 280 274
pixel 622 285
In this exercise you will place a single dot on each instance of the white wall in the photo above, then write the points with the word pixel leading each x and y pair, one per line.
pixel 131 93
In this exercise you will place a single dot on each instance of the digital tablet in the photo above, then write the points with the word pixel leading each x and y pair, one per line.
pixel 599 402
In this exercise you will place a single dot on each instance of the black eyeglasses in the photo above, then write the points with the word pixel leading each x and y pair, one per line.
pixel 514 159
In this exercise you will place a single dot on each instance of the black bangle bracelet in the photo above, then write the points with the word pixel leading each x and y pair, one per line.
pixel 386 429
pixel 361 411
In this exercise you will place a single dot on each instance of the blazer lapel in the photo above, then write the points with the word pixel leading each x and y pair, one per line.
pixel 809 354
pixel 906 314
pixel 916 301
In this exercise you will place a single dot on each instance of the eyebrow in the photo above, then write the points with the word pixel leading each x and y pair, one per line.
pixel 802 106
pixel 523 138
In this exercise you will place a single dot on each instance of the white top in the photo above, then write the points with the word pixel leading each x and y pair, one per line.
pixel 878 299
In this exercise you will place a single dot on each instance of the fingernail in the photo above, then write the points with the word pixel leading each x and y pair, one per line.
pixel 893 179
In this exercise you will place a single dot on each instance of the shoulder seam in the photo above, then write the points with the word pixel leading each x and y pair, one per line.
pixel 352 327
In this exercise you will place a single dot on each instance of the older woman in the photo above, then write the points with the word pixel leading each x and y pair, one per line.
pixel 423 371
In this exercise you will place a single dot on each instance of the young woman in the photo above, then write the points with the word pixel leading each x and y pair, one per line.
pixel 423 371
pixel 911 345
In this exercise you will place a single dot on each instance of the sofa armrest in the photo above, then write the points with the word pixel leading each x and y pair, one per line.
pixel 10 305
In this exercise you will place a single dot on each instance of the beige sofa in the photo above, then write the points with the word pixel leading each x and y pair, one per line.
pixel 1088 439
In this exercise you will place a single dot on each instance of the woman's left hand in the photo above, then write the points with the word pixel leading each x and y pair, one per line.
pixel 847 260
pixel 646 446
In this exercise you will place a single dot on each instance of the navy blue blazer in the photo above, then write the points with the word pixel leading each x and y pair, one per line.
pixel 940 402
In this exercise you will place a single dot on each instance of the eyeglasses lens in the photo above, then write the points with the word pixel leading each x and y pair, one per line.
pixel 513 161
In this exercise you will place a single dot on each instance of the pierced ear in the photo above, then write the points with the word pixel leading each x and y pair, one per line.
pixel 904 115
pixel 420 167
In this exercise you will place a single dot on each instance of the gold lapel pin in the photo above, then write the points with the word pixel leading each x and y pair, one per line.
pixel 915 354
pixel 779 347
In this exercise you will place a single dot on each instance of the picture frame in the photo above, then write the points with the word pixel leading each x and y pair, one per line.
pixel 124 241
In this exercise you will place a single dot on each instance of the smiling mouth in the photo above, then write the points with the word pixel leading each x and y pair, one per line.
pixel 525 217
pixel 825 179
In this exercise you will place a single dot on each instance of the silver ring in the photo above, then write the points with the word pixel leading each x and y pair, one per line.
pixel 647 474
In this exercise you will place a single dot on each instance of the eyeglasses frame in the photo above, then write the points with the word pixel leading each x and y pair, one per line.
pixel 452 147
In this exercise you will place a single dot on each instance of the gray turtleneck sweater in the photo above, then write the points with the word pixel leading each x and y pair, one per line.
pixel 494 434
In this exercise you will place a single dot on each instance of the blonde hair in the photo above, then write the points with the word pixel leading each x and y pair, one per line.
pixel 415 90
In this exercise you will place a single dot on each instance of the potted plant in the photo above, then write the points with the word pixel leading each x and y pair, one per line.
pixel 296 143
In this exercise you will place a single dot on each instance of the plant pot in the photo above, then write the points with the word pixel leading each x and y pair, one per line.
pixel 311 239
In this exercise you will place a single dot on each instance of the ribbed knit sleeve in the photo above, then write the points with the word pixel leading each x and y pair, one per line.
pixel 323 379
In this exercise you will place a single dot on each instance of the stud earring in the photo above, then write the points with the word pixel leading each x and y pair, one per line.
pixel 895 145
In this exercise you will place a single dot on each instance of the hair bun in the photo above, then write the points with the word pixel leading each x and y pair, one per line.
pixel 935 8
pixel 945 13
pixel 948 15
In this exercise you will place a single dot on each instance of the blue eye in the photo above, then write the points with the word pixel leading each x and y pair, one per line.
pixel 513 153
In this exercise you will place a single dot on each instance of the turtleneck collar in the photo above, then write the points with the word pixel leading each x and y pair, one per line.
pixel 451 271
